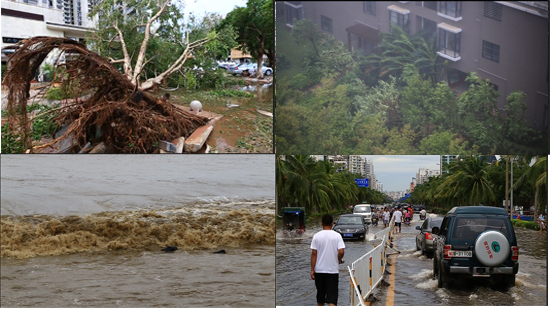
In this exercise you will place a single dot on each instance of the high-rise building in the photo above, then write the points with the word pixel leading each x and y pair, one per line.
pixel 22 19
pixel 424 174
pixel 503 41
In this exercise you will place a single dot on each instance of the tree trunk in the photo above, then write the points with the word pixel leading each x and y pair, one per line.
pixel 315 47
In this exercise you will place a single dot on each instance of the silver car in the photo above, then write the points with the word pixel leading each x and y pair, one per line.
pixel 424 239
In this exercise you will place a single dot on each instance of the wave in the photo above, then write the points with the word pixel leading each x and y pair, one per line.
pixel 187 228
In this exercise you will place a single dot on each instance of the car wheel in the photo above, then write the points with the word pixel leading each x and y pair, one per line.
pixel 268 72
pixel 504 281
pixel 417 247
pixel 422 251
pixel 434 270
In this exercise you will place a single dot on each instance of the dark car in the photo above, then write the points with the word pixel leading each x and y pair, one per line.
pixel 417 208
pixel 351 227
pixel 424 239
pixel 475 241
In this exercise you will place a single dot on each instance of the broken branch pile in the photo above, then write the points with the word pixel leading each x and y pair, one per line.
pixel 114 111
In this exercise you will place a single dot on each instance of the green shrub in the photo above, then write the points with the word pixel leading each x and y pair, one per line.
pixel 525 224
pixel 191 82
pixel 230 93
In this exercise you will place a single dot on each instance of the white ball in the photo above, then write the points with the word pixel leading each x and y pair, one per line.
pixel 195 106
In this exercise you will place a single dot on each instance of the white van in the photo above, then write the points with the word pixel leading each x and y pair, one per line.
pixel 365 211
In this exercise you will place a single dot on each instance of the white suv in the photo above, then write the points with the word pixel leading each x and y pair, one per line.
pixel 365 211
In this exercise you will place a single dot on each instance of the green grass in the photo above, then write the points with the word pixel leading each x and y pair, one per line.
pixel 294 53
pixel 532 225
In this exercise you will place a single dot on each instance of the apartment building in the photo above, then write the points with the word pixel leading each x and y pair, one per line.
pixel 503 41
pixel 23 19
pixel 423 175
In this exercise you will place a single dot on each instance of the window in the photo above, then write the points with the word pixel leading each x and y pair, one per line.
pixel 402 20
pixel 369 7
pixel 432 5
pixel 326 23
pixel 293 10
pixel 428 27
pixel 449 43
pixel 451 8
pixel 491 51
pixel 492 10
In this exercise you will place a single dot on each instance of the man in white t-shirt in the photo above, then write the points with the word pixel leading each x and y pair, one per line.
pixel 386 217
pixel 398 215
pixel 327 251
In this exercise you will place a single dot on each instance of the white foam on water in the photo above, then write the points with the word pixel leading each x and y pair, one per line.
pixel 473 296
pixel 524 282
pixel 423 274
pixel 423 258
pixel 516 296
pixel 441 292
pixel 430 285
pixel 522 274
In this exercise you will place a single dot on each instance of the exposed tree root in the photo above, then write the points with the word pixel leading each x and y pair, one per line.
pixel 124 118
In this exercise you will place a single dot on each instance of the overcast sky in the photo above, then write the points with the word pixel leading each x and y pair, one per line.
pixel 396 172
pixel 199 7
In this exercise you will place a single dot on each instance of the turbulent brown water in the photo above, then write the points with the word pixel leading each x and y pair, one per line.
pixel 188 228
pixel 86 231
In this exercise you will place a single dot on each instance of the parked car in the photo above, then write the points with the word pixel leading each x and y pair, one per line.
pixel 417 208
pixel 365 211
pixel 351 227
pixel 265 69
pixel 424 239
pixel 475 241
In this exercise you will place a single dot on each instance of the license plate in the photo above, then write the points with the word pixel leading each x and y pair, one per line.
pixel 348 235
pixel 460 253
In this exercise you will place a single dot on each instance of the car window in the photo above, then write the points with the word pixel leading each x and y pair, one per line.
pixel 445 226
pixel 425 225
pixel 435 223
pixel 350 220
pixel 470 228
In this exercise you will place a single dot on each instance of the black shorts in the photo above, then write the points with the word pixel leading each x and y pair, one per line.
pixel 327 288
pixel 398 224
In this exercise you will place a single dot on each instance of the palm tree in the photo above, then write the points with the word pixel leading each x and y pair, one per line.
pixel 306 184
pixel 537 176
pixel 468 181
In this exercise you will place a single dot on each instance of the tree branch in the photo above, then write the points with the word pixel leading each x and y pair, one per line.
pixel 143 48
pixel 127 63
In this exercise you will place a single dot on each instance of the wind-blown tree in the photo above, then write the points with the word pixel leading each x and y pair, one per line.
pixel 468 182
pixel 305 29
pixel 537 176
pixel 138 33
pixel 254 24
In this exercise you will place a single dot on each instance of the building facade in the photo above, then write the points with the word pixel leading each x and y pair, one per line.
pixel 503 41
pixel 423 175
pixel 22 19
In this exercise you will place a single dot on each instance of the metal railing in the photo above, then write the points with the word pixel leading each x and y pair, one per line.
pixel 368 271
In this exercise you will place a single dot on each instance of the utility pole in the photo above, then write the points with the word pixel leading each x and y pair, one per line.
pixel 506 194
pixel 512 190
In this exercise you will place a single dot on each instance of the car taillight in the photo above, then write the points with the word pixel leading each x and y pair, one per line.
pixel 446 252
pixel 515 253
pixel 429 236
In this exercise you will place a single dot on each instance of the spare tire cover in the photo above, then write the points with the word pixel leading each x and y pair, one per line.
pixel 492 248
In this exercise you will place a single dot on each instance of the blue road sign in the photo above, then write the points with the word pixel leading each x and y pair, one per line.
pixel 362 182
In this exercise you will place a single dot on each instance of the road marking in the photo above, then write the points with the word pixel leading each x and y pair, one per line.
pixel 389 297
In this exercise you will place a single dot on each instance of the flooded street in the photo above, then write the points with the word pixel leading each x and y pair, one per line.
pixel 87 231
pixel 414 285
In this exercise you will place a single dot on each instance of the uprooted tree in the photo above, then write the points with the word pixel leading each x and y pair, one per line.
pixel 149 41
pixel 107 107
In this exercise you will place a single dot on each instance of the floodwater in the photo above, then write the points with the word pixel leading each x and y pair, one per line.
pixel 86 231
pixel 293 265
pixel 242 128
pixel 414 285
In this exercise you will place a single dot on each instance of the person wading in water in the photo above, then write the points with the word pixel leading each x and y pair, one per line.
pixel 327 251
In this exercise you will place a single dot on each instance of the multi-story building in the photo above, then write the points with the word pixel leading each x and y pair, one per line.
pixel 340 162
pixel 503 41
pixel 423 174
pixel 23 19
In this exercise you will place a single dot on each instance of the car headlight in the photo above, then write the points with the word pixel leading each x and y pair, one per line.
pixel 360 230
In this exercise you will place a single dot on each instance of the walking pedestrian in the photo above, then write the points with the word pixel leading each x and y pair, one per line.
pixel 397 215
pixel 407 217
pixel 542 222
pixel 386 217
pixel 327 251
